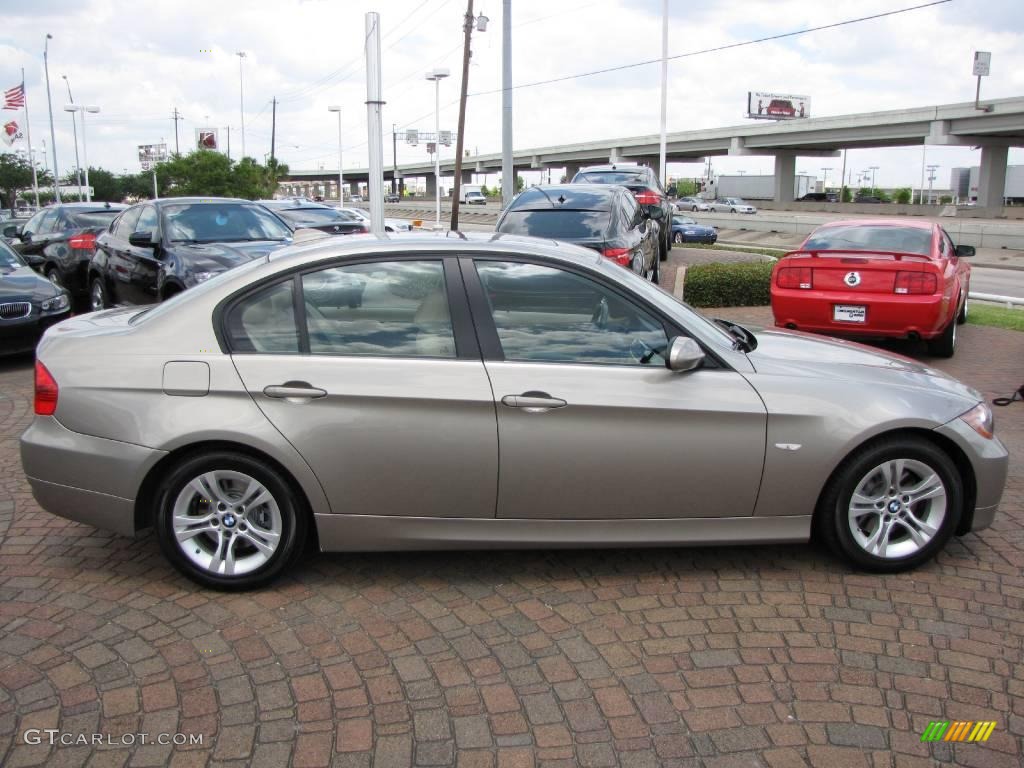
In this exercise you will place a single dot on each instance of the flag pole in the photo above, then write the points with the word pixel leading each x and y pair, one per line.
pixel 28 131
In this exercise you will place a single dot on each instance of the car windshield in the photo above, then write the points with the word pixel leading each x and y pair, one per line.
pixel 683 221
pixel 613 177
pixel 100 218
pixel 859 237
pixel 315 216
pixel 560 224
pixel 8 258
pixel 221 222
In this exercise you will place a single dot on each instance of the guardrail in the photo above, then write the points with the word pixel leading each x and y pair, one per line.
pixel 1009 301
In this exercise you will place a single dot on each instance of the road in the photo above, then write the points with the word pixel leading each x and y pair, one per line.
pixel 1002 282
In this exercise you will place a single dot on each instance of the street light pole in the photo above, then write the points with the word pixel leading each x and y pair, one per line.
pixel 507 168
pixel 874 186
pixel 437 75
pixel 662 164
pixel 49 104
pixel 85 153
pixel 241 96
pixel 74 132
pixel 341 173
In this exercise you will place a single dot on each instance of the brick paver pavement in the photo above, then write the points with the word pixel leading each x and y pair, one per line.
pixel 771 656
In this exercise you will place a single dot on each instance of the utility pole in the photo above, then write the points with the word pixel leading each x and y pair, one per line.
pixel 241 97
pixel 457 181
pixel 273 128
pixel 662 164
pixel 394 160
pixel 374 104
pixel 176 118
pixel 508 172
pixel 228 129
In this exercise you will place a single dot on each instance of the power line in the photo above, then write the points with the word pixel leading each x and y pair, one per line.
pixel 716 49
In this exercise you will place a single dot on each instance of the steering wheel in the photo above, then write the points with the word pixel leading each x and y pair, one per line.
pixel 601 314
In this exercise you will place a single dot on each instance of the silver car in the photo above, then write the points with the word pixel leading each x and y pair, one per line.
pixel 731 205
pixel 451 391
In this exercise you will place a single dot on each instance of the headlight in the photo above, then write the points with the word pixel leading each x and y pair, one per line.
pixel 980 419
pixel 202 277
pixel 57 303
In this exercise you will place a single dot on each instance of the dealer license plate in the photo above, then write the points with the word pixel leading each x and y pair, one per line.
pixel 849 313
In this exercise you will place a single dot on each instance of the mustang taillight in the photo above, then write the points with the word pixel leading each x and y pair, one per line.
pixel 618 255
pixel 915 282
pixel 85 241
pixel 46 391
pixel 648 197
pixel 795 277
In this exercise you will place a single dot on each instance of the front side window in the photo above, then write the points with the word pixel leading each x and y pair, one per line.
pixel 550 315
pixel 148 221
pixel 381 309
pixel 264 322
pixel 126 224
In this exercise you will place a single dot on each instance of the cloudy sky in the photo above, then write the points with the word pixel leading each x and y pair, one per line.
pixel 139 60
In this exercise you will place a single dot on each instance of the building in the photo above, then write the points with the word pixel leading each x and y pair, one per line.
pixel 964 182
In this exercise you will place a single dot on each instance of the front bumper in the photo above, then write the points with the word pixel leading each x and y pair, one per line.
pixel 990 463
pixel 22 335
pixel 888 316
pixel 88 479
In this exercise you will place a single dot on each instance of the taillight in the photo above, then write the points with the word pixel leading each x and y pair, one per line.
pixel 648 197
pixel 618 255
pixel 85 241
pixel 795 277
pixel 915 282
pixel 46 391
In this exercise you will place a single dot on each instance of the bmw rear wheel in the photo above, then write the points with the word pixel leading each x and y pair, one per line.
pixel 53 275
pixel 229 521
pixel 98 295
pixel 892 505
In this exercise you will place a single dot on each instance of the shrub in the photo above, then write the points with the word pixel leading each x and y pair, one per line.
pixel 742 284
pixel 903 195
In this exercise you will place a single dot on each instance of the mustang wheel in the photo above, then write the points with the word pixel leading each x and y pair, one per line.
pixel 944 345
pixel 892 505
pixel 962 317
pixel 229 521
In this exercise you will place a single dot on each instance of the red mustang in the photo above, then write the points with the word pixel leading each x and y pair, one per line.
pixel 875 278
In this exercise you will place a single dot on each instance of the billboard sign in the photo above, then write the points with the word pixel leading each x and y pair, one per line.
pixel 206 138
pixel 982 63
pixel 445 138
pixel 777 106
pixel 151 154
pixel 412 137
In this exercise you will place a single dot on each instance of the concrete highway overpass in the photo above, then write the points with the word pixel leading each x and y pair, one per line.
pixel 996 127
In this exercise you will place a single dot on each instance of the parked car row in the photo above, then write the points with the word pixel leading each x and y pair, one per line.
pixel 718 205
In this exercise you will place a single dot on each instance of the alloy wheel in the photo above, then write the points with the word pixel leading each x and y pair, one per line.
pixel 227 523
pixel 897 508
pixel 54 277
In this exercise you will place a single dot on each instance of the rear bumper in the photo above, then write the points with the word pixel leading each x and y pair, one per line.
pixel 88 479
pixel 887 315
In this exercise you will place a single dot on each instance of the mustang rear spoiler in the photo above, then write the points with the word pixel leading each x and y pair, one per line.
pixel 837 252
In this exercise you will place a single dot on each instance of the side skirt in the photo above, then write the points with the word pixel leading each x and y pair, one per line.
pixel 378 533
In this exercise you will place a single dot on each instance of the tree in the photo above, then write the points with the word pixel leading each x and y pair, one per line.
pixel 903 195
pixel 686 188
pixel 16 175
pixel 485 191
pixel 847 195
pixel 211 174
pixel 136 186
pixel 106 187
pixel 520 184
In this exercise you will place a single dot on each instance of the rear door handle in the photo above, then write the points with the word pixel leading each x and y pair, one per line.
pixel 533 402
pixel 292 389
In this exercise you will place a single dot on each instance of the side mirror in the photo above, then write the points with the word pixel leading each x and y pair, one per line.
pixel 33 260
pixel 141 239
pixel 11 231
pixel 655 212
pixel 965 251
pixel 684 354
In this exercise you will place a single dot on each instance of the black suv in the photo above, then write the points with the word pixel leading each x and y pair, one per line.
pixel 645 185
pixel 604 217
pixel 156 249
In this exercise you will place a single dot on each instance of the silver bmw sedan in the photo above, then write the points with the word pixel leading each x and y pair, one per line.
pixel 450 391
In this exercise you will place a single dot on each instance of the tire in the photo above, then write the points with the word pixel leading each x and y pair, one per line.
pixel 53 275
pixel 944 345
pixel 732 210
pixel 656 272
pixel 961 318
pixel 663 246
pixel 98 298
pixel 215 487
pixel 677 238
pixel 694 209
pixel 851 528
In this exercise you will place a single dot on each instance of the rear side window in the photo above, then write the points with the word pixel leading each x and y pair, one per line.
pixel 264 322
pixel 88 219
pixel 628 178
pixel 559 224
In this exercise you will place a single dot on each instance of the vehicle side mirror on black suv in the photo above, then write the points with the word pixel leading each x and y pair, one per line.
pixel 964 251
pixel 656 212
pixel 141 239
pixel 12 231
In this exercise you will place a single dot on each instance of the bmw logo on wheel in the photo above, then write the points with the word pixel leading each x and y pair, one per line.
pixel 852 279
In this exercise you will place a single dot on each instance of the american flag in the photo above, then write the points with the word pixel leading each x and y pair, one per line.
pixel 15 97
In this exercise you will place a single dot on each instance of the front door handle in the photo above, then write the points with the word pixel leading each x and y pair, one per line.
pixel 533 402
pixel 294 389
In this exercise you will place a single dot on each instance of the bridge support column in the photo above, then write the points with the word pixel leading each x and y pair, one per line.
pixel 353 187
pixel 467 177
pixel 571 169
pixel 992 176
pixel 785 177
pixel 431 186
